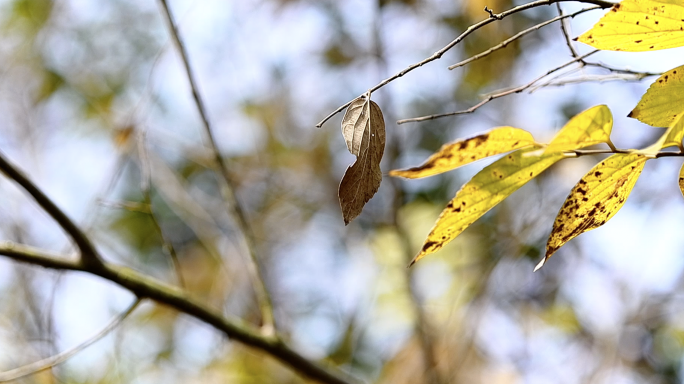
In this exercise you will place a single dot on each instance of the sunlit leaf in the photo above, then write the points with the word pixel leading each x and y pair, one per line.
pixel 663 101
pixel 587 128
pixel 363 128
pixel 488 188
pixel 503 177
pixel 681 179
pixel 639 25
pixel 671 138
pixel 596 198
pixel 459 153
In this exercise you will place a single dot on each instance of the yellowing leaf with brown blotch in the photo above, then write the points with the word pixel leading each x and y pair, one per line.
pixel 363 128
pixel 503 177
pixel 485 190
pixel 681 179
pixel 453 155
pixel 587 128
pixel 595 199
pixel 663 101
pixel 639 25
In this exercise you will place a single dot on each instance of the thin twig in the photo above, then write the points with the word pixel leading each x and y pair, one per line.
pixel 89 255
pixel 59 358
pixel 588 79
pixel 468 31
pixel 494 96
pixel 622 70
pixel 588 152
pixel 566 34
pixel 518 36
pixel 228 190
pixel 145 186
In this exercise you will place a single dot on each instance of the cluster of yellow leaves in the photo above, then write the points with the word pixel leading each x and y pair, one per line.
pixel 503 177
pixel 633 25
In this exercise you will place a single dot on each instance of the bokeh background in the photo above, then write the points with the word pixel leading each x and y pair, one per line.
pixel 83 84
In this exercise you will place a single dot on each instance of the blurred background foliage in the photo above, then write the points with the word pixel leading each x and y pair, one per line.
pixel 97 109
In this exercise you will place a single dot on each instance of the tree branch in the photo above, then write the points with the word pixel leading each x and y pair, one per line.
pixel 520 34
pixel 566 33
pixel 147 287
pixel 89 255
pixel 59 358
pixel 468 31
pixel 228 190
pixel 489 98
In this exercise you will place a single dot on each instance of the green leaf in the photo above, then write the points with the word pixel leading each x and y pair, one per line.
pixel 453 155
pixel 663 101
pixel 638 26
pixel 597 197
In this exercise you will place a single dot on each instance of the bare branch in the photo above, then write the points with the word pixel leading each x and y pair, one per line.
pixel 589 79
pixel 517 36
pixel 499 94
pixel 566 33
pixel 468 31
pixel 144 286
pixel 57 359
pixel 228 190
pixel 89 255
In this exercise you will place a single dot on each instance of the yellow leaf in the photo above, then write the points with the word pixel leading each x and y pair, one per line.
pixel 663 101
pixel 453 155
pixel 587 128
pixel 363 128
pixel 595 199
pixel 671 138
pixel 681 179
pixel 639 25
pixel 488 188
pixel 503 177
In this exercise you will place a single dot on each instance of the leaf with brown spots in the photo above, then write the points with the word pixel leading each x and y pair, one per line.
pixel 503 177
pixel 453 155
pixel 638 26
pixel 595 199
pixel 681 179
pixel 663 101
pixel 363 128
pixel 590 127
pixel 485 190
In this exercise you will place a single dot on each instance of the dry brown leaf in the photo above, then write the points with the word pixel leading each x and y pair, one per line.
pixel 363 128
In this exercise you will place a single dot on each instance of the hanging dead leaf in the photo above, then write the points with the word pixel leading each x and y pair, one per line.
pixel 363 128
